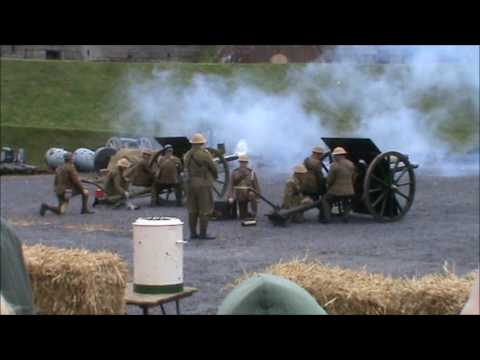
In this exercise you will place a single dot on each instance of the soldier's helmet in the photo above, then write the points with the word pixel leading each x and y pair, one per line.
pixel 123 163
pixel 198 139
pixel 67 156
pixel 339 151
pixel 300 169
pixel 243 158
pixel 318 150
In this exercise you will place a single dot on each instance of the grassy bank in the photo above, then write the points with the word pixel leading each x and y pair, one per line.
pixel 91 96
pixel 79 104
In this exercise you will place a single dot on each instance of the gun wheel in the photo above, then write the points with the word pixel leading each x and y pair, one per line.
pixel 389 186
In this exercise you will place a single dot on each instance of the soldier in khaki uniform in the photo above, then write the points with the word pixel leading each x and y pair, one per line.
pixel 244 177
pixel 67 184
pixel 341 178
pixel 201 171
pixel 142 171
pixel 293 195
pixel 116 184
pixel 168 176
pixel 314 181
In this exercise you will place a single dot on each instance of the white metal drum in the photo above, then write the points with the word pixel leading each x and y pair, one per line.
pixel 54 157
pixel 158 255
pixel 84 160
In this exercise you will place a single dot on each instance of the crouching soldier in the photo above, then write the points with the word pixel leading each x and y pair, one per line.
pixel 314 182
pixel 168 176
pixel 116 184
pixel 142 171
pixel 67 184
pixel 293 195
pixel 341 178
pixel 244 177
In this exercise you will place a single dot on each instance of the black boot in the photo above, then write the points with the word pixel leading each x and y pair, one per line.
pixel 203 229
pixel 192 221
pixel 43 209
pixel 179 197
pixel 85 206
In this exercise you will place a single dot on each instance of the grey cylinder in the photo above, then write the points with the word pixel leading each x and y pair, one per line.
pixel 84 160
pixel 54 157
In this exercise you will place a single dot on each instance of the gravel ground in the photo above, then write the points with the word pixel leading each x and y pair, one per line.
pixel 442 225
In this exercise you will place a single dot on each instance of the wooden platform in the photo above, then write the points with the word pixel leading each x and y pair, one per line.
pixel 147 301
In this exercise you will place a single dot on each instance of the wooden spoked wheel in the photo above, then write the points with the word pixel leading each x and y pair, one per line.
pixel 389 186
pixel 220 185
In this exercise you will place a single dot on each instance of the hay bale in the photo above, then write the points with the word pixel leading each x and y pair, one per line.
pixel 68 282
pixel 347 292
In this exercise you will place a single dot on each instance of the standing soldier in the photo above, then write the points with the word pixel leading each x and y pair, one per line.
pixel 168 176
pixel 293 195
pixel 201 171
pixel 339 184
pixel 67 184
pixel 244 177
pixel 116 184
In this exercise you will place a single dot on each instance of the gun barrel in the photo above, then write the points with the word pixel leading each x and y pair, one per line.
pixel 227 158
pixel 280 217
pixel 275 207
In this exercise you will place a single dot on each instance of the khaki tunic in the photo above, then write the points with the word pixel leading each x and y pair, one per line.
pixel 168 169
pixel 340 178
pixel 140 174
pixel 242 177
pixel 293 195
pixel 201 171
pixel 66 178
pixel 116 183
pixel 314 179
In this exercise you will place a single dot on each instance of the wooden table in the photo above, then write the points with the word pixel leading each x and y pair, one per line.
pixel 147 301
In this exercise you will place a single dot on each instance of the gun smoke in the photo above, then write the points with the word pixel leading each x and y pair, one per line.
pixel 425 106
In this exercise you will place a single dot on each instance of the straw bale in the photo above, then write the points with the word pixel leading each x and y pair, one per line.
pixel 75 281
pixel 347 292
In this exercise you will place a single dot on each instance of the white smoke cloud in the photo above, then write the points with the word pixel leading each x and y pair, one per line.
pixel 410 107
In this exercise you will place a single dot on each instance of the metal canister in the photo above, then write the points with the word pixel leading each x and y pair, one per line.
pixel 158 255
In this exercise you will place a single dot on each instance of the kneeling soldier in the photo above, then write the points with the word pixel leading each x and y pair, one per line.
pixel 244 177
pixel 67 184
pixel 116 184
pixel 293 195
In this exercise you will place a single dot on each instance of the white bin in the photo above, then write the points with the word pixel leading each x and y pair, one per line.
pixel 158 255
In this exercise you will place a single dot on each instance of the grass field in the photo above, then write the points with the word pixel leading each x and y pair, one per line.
pixel 79 104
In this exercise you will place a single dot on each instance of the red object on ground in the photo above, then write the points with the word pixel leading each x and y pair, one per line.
pixel 99 194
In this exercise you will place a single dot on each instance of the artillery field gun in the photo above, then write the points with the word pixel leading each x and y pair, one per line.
pixel 104 158
pixel 384 185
